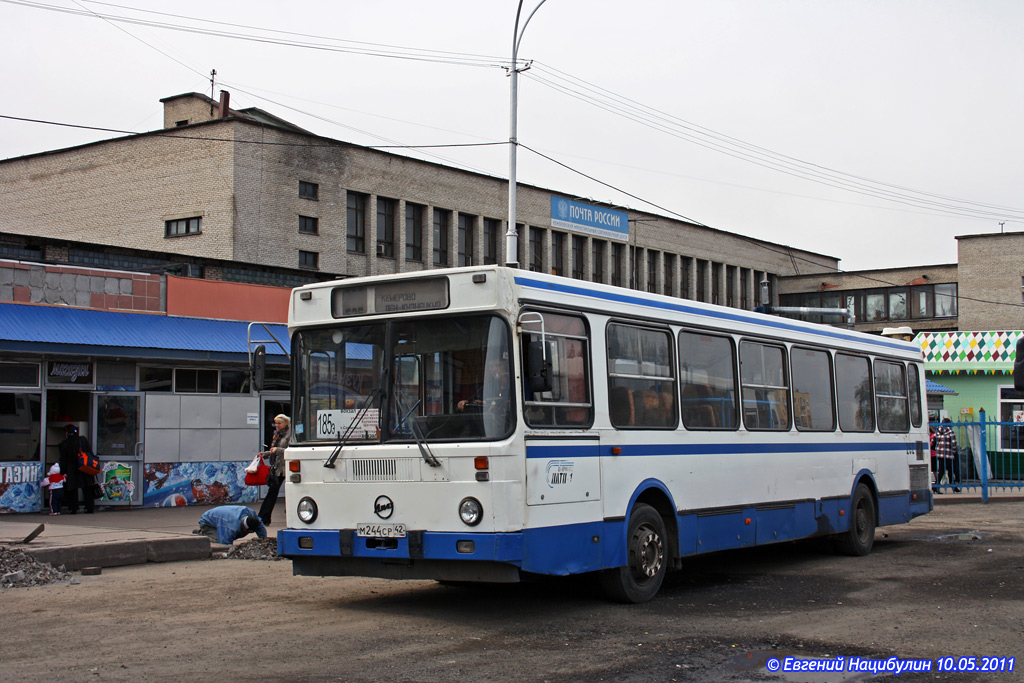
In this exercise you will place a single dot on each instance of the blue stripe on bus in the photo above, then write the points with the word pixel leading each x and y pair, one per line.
pixel 590 546
pixel 585 451
pixel 763 320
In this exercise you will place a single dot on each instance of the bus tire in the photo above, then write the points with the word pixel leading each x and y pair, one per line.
pixel 646 546
pixel 860 537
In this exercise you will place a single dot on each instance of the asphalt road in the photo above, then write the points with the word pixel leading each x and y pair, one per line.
pixel 950 584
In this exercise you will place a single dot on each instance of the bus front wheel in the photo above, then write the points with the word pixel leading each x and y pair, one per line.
pixel 860 537
pixel 646 545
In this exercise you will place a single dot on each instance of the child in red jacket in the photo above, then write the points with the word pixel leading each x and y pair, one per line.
pixel 55 481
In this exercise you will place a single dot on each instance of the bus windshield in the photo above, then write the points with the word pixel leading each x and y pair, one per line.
pixel 403 380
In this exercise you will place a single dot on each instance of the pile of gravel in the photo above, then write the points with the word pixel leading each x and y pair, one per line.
pixel 254 549
pixel 19 569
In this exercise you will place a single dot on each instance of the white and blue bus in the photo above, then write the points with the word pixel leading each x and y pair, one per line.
pixel 482 423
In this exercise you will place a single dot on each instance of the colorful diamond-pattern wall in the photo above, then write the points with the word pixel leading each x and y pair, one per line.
pixel 969 352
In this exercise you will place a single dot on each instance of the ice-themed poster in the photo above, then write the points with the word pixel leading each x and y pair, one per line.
pixel 171 484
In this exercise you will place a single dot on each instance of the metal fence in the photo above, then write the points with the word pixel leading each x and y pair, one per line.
pixel 989 456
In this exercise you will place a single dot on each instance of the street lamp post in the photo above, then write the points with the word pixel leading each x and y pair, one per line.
pixel 511 235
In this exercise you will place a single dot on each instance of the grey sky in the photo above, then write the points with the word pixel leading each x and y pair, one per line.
pixel 922 95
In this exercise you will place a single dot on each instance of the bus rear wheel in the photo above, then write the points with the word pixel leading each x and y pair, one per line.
pixel 641 578
pixel 860 537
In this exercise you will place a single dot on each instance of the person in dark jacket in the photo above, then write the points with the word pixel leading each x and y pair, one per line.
pixel 76 481
pixel 278 444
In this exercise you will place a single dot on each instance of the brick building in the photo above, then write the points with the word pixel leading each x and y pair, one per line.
pixel 246 196
pixel 126 264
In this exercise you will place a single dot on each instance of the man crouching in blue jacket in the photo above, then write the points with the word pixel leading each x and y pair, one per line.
pixel 225 523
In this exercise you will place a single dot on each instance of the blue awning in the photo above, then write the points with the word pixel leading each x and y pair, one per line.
pixel 936 388
pixel 78 331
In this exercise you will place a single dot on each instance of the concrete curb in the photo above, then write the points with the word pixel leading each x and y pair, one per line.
pixel 123 553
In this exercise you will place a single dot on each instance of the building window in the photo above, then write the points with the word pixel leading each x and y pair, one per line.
pixel 684 277
pixel 945 300
pixel 579 244
pixel 652 272
pixel 466 225
pixel 183 226
pixel 19 375
pixel 491 228
pixel 386 209
pixel 636 258
pixel 597 269
pixel 414 232
pixel 356 223
pixel 309 190
pixel 536 250
pixel 558 253
pixel 617 264
pixel 309 259
pixel 189 381
pixel 308 225
pixel 898 300
pixel 442 227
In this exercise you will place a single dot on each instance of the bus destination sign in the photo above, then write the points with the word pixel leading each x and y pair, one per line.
pixel 405 296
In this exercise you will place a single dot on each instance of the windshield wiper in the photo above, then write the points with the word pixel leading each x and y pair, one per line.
pixel 414 425
pixel 358 419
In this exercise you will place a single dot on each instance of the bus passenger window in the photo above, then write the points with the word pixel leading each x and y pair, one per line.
pixel 641 382
pixel 891 397
pixel 707 372
pixel 765 389
pixel 568 403
pixel 853 394
pixel 813 407
pixel 915 395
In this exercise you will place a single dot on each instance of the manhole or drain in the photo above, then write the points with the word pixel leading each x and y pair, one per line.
pixel 962 536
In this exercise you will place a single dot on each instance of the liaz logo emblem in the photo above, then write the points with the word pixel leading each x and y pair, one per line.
pixel 559 473
pixel 383 507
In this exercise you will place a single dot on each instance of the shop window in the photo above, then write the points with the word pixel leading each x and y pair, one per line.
pixel 19 374
pixel 20 414
pixel 190 381
pixel 156 379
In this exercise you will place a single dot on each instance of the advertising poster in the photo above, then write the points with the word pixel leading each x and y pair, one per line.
pixel 19 487
pixel 117 482
pixel 170 484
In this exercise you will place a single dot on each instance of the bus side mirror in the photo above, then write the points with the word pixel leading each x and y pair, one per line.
pixel 538 369
pixel 1018 367
pixel 259 366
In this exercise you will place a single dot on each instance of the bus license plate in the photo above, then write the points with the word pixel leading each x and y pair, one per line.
pixel 380 530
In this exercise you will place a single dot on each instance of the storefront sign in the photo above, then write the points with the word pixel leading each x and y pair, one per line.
pixel 590 219
pixel 20 473
pixel 61 372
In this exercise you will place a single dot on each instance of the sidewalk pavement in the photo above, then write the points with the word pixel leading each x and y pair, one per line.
pixel 118 536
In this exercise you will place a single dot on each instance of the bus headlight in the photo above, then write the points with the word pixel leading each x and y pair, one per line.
pixel 307 510
pixel 471 511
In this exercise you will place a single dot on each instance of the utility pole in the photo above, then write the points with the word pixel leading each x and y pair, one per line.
pixel 511 235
